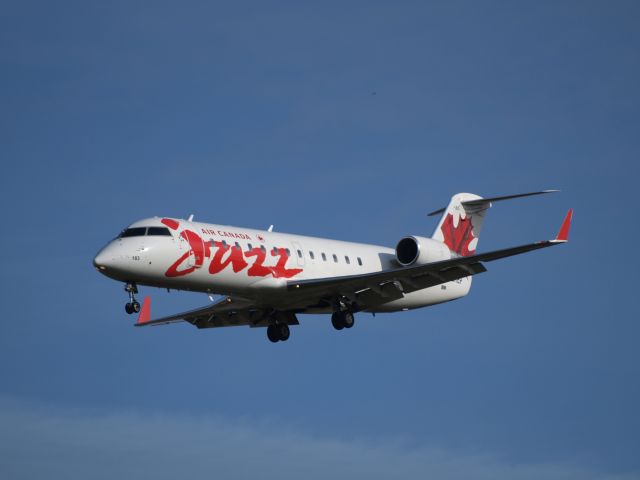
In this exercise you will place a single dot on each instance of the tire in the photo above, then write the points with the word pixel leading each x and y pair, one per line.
pixel 273 334
pixel 336 320
pixel 348 320
pixel 128 308
pixel 283 330
pixel 135 306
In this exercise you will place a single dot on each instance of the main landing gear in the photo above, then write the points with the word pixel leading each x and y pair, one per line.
pixel 342 319
pixel 132 306
pixel 278 332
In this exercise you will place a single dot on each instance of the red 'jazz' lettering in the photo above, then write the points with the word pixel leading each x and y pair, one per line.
pixel 197 247
pixel 257 269
pixel 225 255
pixel 171 223
pixel 173 271
pixel 235 258
pixel 280 271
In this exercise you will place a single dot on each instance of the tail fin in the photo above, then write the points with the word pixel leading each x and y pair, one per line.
pixel 460 225
pixel 461 222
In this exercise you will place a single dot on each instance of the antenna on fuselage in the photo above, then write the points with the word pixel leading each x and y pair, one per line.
pixel 190 219
pixel 270 229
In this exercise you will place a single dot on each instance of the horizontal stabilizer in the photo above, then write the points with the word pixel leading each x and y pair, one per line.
pixel 486 201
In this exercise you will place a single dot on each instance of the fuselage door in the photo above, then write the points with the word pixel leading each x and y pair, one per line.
pixel 194 244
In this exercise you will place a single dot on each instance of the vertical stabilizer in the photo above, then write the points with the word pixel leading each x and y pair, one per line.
pixel 461 222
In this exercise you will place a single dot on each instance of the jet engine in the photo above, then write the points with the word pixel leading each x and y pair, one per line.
pixel 420 250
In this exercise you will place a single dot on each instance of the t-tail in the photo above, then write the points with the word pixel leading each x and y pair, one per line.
pixel 461 222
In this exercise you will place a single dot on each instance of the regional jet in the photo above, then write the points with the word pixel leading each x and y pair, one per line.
pixel 266 278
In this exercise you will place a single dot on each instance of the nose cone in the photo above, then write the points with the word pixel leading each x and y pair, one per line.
pixel 102 261
pixel 119 262
pixel 108 261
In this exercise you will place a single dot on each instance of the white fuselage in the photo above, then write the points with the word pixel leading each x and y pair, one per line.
pixel 249 263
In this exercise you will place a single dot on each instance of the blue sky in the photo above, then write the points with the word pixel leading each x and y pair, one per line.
pixel 349 121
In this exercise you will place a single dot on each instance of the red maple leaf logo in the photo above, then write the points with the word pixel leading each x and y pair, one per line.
pixel 458 238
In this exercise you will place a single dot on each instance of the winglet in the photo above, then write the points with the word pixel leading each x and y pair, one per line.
pixel 563 233
pixel 145 313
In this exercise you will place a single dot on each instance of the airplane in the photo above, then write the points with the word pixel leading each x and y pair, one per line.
pixel 266 278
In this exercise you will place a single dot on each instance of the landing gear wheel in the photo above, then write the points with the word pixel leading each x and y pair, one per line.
pixel 132 305
pixel 337 321
pixel 348 320
pixel 341 320
pixel 278 332
pixel 273 334
pixel 283 330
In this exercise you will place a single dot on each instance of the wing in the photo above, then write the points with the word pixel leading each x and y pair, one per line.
pixel 226 312
pixel 370 289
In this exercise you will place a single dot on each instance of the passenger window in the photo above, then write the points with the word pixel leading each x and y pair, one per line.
pixel 324 257
pixel 335 258
pixel 250 247
pixel 346 259
pixel 224 243
pixel 160 231
pixel 237 245
pixel 288 252
pixel 311 255
pixel 359 261
pixel 299 254
pixel 262 247
pixel 274 252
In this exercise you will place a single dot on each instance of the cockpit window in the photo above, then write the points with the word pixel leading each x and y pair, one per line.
pixel 133 232
pixel 158 231
pixel 142 231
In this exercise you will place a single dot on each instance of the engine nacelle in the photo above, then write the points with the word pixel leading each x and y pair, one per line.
pixel 421 250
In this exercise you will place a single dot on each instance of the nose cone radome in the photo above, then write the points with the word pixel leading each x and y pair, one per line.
pixel 103 261
pixel 108 261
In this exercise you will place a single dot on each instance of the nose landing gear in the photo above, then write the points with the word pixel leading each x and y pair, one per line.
pixel 132 306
